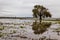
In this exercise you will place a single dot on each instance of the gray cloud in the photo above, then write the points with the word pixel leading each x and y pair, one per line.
pixel 24 7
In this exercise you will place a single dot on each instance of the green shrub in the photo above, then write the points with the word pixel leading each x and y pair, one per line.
pixel 1 27
pixel 21 27
pixel 14 31
pixel 1 34
pixel 58 22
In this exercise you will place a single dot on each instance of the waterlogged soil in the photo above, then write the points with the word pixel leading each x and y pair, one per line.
pixel 16 29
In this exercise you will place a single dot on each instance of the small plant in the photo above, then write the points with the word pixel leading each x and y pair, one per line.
pixel 58 22
pixel 21 27
pixel 14 31
pixel 11 32
pixel 1 34
pixel 1 27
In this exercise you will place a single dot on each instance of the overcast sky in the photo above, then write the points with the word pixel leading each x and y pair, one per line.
pixel 23 8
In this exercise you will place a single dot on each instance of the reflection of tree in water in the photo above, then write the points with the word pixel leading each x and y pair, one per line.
pixel 40 28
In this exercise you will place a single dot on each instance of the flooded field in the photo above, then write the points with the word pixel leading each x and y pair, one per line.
pixel 23 29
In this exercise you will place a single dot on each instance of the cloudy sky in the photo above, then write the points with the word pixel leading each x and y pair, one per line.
pixel 23 8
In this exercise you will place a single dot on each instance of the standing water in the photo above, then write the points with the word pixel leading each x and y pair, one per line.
pixel 23 29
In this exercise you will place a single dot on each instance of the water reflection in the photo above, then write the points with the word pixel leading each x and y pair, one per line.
pixel 40 28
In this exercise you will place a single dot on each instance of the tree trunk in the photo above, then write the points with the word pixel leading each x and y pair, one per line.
pixel 40 19
pixel 40 15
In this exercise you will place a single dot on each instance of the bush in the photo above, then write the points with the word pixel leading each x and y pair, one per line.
pixel 21 27
pixel 14 31
pixel 1 34
pixel 1 27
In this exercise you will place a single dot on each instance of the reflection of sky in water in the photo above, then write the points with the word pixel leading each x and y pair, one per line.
pixel 52 35
pixel 55 26
pixel 29 32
